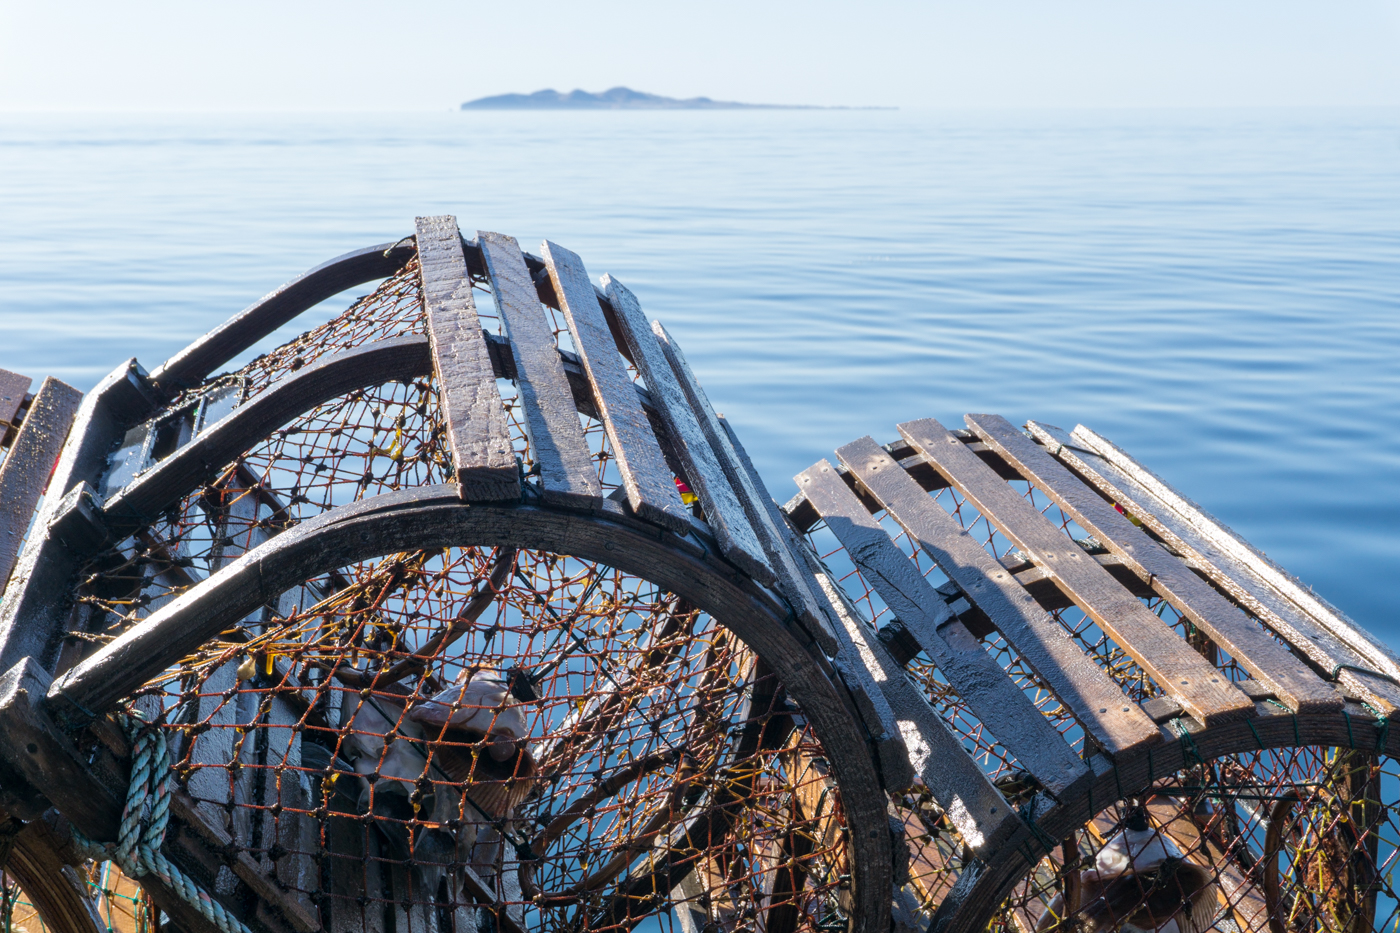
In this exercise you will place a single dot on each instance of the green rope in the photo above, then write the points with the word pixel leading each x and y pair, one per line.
pixel 1351 739
pixel 145 816
pixel 1190 753
pixel 1258 741
pixel 1047 842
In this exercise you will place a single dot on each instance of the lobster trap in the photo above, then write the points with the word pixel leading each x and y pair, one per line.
pixel 465 611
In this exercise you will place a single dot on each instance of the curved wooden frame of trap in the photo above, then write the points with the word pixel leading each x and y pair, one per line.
pixel 1314 676
pixel 725 567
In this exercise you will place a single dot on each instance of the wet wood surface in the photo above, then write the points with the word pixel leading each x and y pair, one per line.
pixel 24 474
pixel 1324 651
pixel 477 433
pixel 1173 664
pixel 567 473
pixel 989 693
pixel 651 490
pixel 978 810
pixel 13 389
pixel 723 510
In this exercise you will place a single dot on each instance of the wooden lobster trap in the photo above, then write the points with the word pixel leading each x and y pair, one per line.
pixel 465 611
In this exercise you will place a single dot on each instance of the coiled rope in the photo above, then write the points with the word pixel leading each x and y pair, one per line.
pixel 144 818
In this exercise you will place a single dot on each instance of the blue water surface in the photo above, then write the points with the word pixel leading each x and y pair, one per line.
pixel 1214 291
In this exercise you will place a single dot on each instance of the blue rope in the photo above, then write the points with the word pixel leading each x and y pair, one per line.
pixel 145 816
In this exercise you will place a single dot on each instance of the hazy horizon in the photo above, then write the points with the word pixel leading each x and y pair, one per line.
pixel 162 57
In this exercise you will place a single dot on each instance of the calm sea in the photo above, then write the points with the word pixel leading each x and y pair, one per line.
pixel 1214 291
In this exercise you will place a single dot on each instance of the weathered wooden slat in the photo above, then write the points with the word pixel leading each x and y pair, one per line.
pixel 1114 721
pixel 978 810
pixel 1267 660
pixel 651 491
pixel 723 511
pixel 807 586
pixel 989 693
pixel 191 365
pixel 25 472
pixel 1228 542
pixel 1177 668
pixel 13 388
pixel 34 611
pixel 477 432
pixel 1333 658
pixel 859 673
pixel 568 476
pixel 765 517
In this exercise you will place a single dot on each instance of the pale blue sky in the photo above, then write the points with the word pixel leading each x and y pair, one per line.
pixel 353 55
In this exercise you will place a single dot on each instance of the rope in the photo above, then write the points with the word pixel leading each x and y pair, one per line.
pixel 1257 741
pixel 1190 754
pixel 1047 842
pixel 145 816
pixel 1361 670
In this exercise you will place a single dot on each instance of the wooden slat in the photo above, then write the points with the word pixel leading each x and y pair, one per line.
pixel 1114 721
pixel 978 810
pixel 36 608
pixel 785 550
pixel 1270 662
pixel 651 491
pixel 1177 668
pixel 981 683
pixel 1320 647
pixel 1228 542
pixel 736 537
pixel 859 673
pixel 804 583
pixel 477 432
pixel 568 476
pixel 13 388
pixel 25 472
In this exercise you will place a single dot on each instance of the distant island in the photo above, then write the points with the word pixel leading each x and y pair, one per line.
pixel 623 98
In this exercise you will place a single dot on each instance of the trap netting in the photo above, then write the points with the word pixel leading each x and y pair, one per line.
pixel 1290 840
pixel 578 741
pixel 461 738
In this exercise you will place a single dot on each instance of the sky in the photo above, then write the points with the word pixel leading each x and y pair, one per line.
pixel 349 55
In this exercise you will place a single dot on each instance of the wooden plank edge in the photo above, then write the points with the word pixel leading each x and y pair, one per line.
pixel 784 545
pixel 1285 583
pixel 737 538
pixel 25 473
pixel 1291 680
pixel 1314 643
